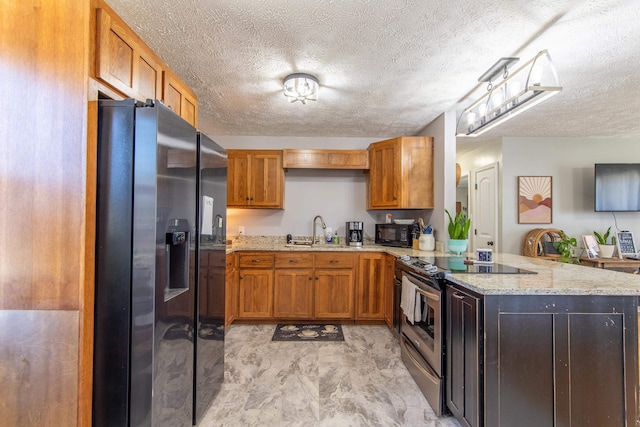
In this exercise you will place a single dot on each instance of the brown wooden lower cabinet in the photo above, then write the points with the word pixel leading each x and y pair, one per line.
pixel 293 285
pixel 334 291
pixel 231 298
pixel 255 293
pixel 389 279
pixel 255 285
pixel 293 293
pixel 312 285
pixel 370 303
pixel 231 289
pixel 334 285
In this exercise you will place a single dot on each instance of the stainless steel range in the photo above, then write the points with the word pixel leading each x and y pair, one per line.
pixel 421 327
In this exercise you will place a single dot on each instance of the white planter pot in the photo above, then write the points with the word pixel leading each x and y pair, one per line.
pixel 606 251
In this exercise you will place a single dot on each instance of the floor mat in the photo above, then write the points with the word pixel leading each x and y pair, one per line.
pixel 315 332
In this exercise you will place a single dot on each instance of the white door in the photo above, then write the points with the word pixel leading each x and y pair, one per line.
pixel 485 208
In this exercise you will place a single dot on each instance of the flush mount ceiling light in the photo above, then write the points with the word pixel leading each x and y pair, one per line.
pixel 301 87
pixel 528 86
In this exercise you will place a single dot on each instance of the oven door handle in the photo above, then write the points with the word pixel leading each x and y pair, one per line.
pixel 427 294
pixel 409 351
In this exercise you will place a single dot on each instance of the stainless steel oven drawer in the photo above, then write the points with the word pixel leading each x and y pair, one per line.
pixel 431 385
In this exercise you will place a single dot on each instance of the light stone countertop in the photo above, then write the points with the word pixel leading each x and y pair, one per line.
pixel 552 278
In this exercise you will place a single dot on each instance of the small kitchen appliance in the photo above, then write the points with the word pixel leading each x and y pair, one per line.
pixel 398 235
pixel 354 233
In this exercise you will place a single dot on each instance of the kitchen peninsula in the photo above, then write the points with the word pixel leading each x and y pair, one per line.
pixel 559 347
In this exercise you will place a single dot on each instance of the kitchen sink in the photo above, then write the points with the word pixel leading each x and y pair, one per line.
pixel 298 243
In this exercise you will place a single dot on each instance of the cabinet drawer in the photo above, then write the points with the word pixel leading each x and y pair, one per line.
pixel 259 260
pixel 293 260
pixel 335 260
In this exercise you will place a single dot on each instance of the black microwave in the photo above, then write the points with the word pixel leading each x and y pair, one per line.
pixel 399 235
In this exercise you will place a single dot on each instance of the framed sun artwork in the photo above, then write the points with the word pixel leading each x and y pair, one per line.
pixel 534 200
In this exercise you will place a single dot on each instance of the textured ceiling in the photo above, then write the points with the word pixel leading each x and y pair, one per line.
pixel 389 67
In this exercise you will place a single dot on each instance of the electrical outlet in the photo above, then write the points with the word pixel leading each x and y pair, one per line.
pixel 241 229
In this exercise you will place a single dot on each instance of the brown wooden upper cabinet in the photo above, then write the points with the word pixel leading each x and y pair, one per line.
pixel 255 179
pixel 401 173
pixel 125 63
pixel 325 159
pixel 180 98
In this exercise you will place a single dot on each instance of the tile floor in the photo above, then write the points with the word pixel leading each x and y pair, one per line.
pixel 359 382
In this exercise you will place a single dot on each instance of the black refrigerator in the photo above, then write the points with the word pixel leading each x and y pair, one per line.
pixel 145 292
pixel 211 248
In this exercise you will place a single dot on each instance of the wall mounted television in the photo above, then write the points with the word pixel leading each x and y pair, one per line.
pixel 617 187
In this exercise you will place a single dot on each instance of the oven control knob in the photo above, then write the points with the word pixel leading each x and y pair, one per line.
pixel 405 257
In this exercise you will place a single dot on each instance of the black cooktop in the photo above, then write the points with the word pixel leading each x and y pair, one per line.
pixel 456 265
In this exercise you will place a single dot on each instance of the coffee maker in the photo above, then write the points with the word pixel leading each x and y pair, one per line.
pixel 355 233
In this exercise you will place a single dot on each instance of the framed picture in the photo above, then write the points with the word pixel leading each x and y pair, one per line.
pixel 590 245
pixel 625 244
pixel 534 200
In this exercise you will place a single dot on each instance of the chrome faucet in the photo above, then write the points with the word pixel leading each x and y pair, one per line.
pixel 324 226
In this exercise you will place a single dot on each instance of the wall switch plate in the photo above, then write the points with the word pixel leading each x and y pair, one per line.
pixel 241 229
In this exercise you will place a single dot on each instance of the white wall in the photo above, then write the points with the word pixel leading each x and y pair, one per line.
pixel 443 130
pixel 337 195
pixel 570 163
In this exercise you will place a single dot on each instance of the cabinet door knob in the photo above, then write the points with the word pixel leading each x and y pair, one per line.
pixel 255 260
pixel 490 243
pixel 457 296
pixel 294 261
pixel 334 261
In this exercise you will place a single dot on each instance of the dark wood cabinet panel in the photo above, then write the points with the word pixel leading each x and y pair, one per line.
pixel 526 369
pixel 464 366
pixel 596 363
pixel 560 360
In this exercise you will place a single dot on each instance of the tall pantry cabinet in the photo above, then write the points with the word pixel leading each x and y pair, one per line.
pixel 46 192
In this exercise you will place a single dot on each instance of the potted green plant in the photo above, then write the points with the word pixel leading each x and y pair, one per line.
pixel 458 232
pixel 606 249
pixel 565 247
